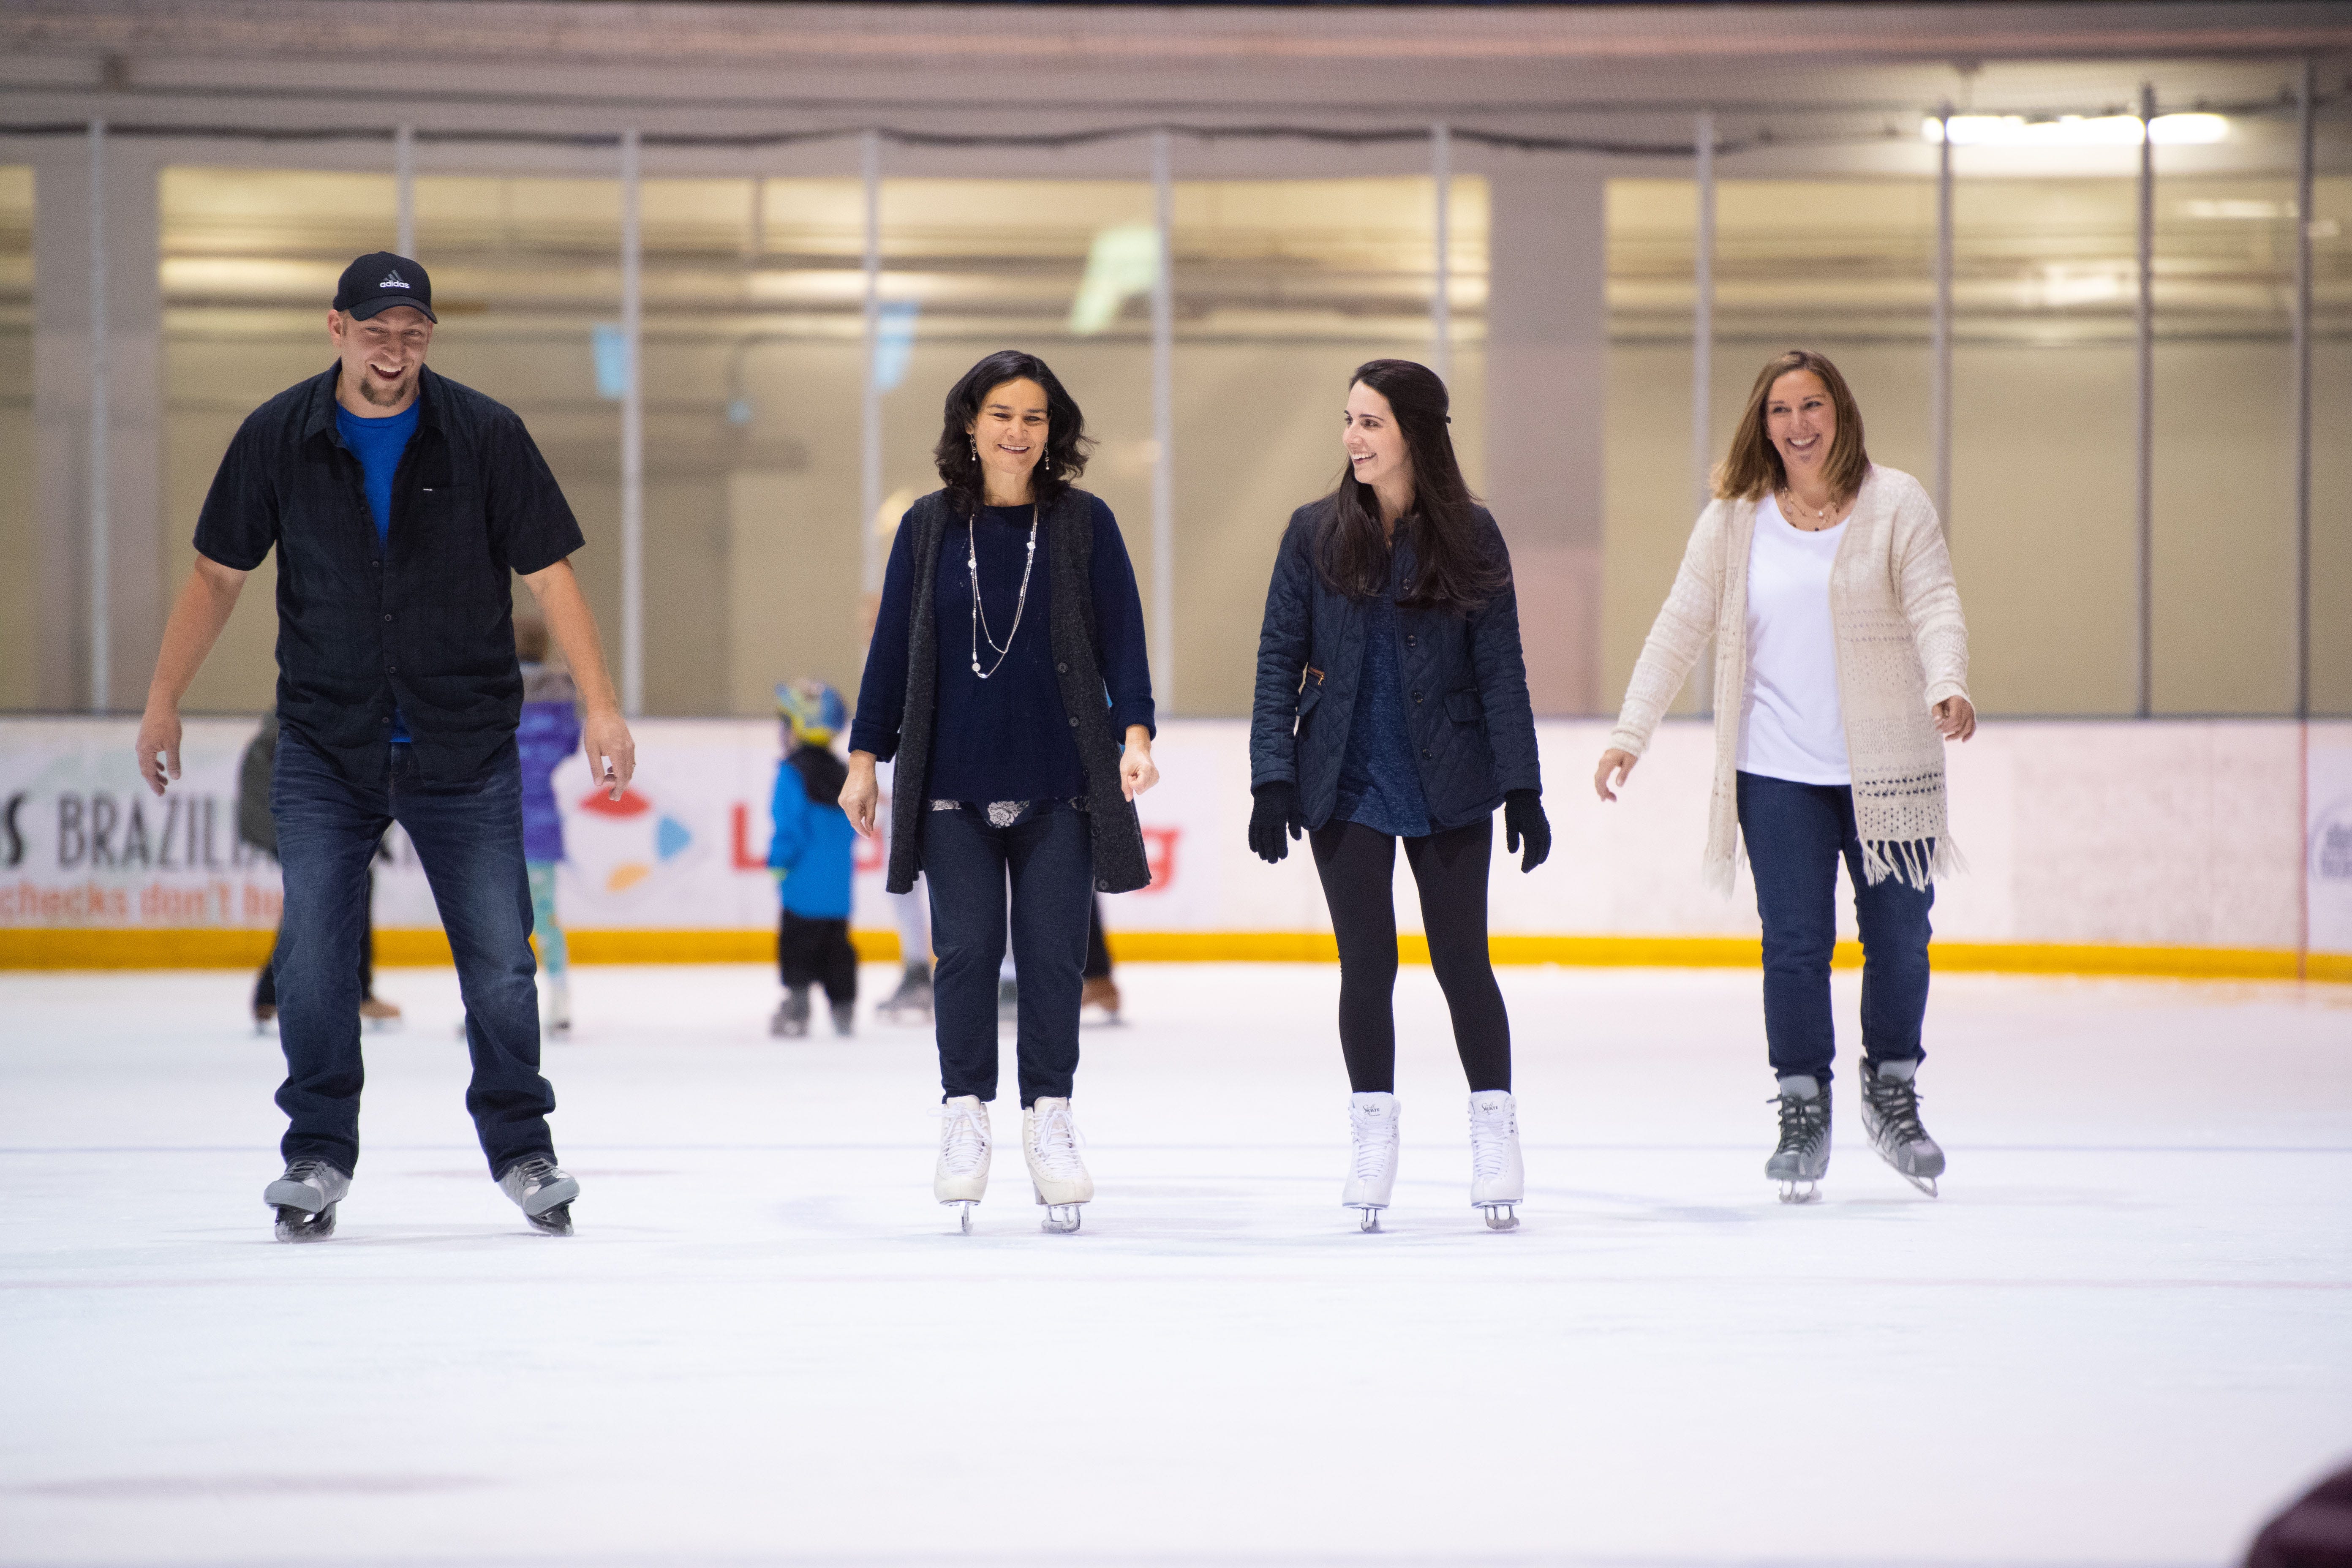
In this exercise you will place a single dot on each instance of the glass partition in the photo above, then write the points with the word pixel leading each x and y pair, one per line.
pixel 17 542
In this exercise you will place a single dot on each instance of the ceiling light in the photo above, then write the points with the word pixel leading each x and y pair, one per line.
pixel 2076 130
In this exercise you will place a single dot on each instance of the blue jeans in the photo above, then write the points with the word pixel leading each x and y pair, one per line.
pixel 1049 855
pixel 468 838
pixel 1795 832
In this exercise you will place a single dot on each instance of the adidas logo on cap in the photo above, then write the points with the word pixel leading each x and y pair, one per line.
pixel 393 281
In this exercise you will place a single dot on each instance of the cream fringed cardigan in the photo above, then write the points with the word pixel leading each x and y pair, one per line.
pixel 1902 647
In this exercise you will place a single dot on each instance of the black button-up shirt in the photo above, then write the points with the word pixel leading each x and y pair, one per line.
pixel 425 620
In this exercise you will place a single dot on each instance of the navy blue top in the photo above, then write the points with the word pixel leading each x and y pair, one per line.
pixel 1004 738
pixel 1379 785
pixel 378 444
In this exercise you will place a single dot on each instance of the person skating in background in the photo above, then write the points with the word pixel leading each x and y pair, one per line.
pixel 256 828
pixel 1392 705
pixel 1841 668
pixel 811 848
pixel 547 733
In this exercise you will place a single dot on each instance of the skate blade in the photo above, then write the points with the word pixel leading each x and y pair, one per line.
pixel 1368 1217
pixel 1925 1184
pixel 1501 1216
pixel 301 1225
pixel 1062 1219
pixel 556 1221
pixel 1800 1192
pixel 964 1207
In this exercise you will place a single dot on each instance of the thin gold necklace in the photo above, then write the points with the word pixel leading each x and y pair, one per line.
pixel 1821 517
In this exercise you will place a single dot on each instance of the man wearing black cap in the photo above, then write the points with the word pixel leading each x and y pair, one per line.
pixel 398 502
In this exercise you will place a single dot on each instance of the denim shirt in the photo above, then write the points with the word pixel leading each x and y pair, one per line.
pixel 1378 786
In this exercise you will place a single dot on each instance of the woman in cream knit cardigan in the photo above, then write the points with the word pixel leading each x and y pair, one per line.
pixel 1841 671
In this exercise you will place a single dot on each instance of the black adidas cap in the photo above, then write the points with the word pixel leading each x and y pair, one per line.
pixel 379 281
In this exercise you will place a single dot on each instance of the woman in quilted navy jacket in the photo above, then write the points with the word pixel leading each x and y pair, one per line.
pixel 1392 704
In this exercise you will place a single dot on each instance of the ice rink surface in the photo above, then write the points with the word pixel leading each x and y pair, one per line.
pixel 2122 1336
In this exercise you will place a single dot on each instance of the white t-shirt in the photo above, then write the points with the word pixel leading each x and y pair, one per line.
pixel 1789 723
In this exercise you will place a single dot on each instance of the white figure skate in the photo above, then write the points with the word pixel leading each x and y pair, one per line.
pixel 1372 1166
pixel 1498 1181
pixel 1050 1139
pixel 961 1178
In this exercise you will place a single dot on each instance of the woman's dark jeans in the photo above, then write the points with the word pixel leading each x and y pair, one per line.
pixel 468 838
pixel 1795 833
pixel 1049 857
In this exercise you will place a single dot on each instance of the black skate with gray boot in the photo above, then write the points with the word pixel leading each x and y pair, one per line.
pixel 911 1003
pixel 305 1198
pixel 791 1019
pixel 542 1189
pixel 1890 1114
pixel 1803 1157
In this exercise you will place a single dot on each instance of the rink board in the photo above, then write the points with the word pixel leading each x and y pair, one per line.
pixel 2188 847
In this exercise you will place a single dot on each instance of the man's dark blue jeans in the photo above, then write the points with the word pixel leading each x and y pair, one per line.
pixel 468 838
pixel 1795 833
pixel 1049 855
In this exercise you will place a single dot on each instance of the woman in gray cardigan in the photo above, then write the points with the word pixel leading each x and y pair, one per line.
pixel 1842 668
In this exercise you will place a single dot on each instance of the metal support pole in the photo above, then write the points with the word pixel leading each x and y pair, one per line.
pixel 2304 170
pixel 1441 294
pixel 101 488
pixel 1939 379
pixel 1703 350
pixel 869 448
pixel 403 182
pixel 633 436
pixel 2144 330
pixel 1163 427
pixel 1703 313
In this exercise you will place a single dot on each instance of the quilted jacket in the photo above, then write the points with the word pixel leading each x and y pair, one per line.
pixel 1465 687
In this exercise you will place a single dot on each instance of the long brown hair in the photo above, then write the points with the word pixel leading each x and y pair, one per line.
pixel 1753 467
pixel 1454 570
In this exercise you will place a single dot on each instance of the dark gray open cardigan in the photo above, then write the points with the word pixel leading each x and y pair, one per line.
pixel 1120 866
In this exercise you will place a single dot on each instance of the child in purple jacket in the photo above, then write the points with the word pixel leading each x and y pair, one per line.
pixel 549 732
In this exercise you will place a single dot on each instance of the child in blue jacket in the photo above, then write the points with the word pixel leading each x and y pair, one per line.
pixel 549 731
pixel 810 852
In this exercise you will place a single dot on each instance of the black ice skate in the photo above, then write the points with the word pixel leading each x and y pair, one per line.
pixel 1890 1114
pixel 543 1191
pixel 1803 1157
pixel 791 1019
pixel 305 1198
pixel 845 1019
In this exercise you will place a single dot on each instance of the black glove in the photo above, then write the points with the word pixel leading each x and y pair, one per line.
pixel 1276 809
pixel 1523 817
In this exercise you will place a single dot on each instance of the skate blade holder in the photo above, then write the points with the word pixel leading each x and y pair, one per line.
pixel 1800 1192
pixel 304 1225
pixel 556 1221
pixel 1368 1217
pixel 1501 1216
pixel 964 1207
pixel 1062 1219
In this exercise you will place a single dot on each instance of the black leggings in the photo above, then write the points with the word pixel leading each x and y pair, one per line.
pixel 1359 871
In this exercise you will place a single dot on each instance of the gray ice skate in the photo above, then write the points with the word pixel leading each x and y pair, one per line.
pixel 1890 1114
pixel 543 1191
pixel 911 1003
pixel 305 1198
pixel 791 1019
pixel 845 1019
pixel 1803 1157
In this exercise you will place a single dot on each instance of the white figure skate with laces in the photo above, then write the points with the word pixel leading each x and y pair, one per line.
pixel 961 1178
pixel 1050 1139
pixel 1498 1181
pixel 1372 1163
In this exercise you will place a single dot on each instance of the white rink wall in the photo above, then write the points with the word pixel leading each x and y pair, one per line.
pixel 2167 834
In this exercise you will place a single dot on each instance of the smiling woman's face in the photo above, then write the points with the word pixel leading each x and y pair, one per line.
pixel 1010 432
pixel 1801 421
pixel 1376 450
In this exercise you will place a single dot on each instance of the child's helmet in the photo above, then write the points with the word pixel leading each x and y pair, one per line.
pixel 812 709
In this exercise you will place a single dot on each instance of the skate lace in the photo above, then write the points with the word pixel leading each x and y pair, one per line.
pixel 1897 1105
pixel 313 1171
pixel 1803 1121
pixel 535 1170
pixel 1490 1143
pixel 963 1143
pixel 1057 1143
pixel 1376 1139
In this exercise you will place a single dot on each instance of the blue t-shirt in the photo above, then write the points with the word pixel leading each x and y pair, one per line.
pixel 378 444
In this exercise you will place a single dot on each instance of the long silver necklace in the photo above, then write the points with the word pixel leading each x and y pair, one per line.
pixel 978 614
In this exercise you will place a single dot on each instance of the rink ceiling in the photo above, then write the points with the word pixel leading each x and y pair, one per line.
pixel 2117 1339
